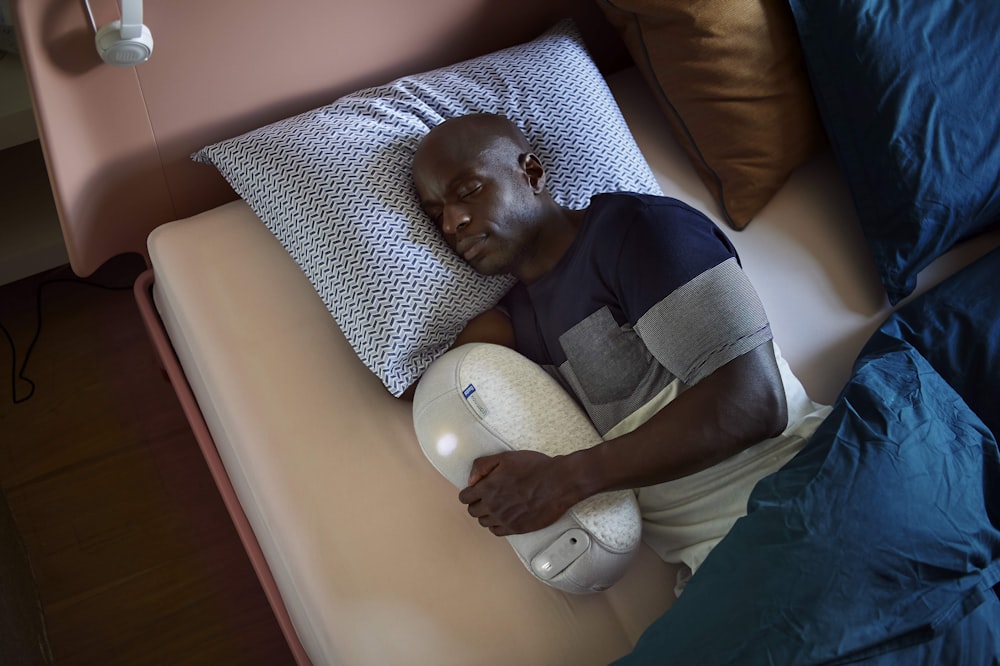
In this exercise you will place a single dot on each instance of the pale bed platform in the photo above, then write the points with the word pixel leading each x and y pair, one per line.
pixel 364 549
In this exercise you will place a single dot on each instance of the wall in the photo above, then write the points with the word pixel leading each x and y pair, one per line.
pixel 30 238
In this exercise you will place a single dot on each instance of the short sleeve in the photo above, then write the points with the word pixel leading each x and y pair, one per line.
pixel 686 295
pixel 666 244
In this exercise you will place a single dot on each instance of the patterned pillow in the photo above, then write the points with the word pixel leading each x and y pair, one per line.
pixel 333 185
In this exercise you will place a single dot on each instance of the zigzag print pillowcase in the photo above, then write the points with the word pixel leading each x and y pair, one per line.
pixel 333 185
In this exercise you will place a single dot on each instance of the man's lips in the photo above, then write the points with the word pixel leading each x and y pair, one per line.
pixel 471 246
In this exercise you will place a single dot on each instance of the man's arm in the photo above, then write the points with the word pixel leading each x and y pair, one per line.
pixel 736 406
pixel 491 326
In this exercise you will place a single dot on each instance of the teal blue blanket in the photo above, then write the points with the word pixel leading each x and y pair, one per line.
pixel 879 542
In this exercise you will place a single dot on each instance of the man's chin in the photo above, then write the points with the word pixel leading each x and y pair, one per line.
pixel 489 263
pixel 487 268
pixel 478 264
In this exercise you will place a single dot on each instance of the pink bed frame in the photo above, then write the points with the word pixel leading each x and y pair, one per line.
pixel 175 374
pixel 118 141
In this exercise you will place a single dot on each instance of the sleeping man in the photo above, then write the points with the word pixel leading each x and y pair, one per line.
pixel 638 305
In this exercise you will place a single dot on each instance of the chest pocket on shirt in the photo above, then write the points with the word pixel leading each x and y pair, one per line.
pixel 608 360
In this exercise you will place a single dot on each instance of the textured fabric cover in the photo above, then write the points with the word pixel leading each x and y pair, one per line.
pixel 879 542
pixel 956 327
pixel 905 92
pixel 730 77
pixel 333 185
pixel 480 399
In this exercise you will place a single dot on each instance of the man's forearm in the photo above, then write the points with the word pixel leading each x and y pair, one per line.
pixel 738 405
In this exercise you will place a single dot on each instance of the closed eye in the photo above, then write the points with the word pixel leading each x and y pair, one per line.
pixel 465 194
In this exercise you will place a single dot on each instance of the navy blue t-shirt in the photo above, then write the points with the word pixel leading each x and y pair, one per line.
pixel 649 293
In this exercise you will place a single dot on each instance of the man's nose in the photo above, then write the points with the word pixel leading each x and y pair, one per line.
pixel 455 219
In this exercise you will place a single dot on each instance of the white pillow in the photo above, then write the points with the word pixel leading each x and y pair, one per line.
pixel 334 187
pixel 479 399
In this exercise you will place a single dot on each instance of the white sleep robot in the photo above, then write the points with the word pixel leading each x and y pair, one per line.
pixel 479 399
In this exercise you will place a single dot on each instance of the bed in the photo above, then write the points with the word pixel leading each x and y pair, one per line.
pixel 866 220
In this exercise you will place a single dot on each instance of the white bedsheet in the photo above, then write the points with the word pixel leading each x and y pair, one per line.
pixel 375 558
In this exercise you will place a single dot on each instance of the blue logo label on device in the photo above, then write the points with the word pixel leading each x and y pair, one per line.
pixel 474 400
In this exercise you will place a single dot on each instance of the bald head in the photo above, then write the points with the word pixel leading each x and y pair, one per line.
pixel 485 137
pixel 478 180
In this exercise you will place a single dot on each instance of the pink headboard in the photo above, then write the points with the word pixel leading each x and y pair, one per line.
pixel 117 141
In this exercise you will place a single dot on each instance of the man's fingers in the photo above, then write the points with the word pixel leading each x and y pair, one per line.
pixel 481 467
pixel 497 530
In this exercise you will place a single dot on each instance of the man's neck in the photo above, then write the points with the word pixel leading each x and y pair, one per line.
pixel 555 238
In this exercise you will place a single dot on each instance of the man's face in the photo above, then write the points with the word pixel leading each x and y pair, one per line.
pixel 479 196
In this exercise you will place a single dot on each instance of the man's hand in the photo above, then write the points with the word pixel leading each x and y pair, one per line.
pixel 516 492
pixel 735 407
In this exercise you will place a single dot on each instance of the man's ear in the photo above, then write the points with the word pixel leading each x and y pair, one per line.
pixel 534 171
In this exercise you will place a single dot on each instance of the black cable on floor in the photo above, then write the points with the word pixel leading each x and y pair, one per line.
pixel 18 373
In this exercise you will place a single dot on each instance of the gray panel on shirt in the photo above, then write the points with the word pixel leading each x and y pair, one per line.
pixel 610 369
pixel 704 324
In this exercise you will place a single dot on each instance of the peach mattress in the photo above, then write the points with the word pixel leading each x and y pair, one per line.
pixel 363 547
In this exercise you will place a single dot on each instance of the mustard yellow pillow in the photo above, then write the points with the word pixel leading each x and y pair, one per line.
pixel 730 76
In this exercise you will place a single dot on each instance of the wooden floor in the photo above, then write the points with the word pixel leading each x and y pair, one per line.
pixel 134 555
